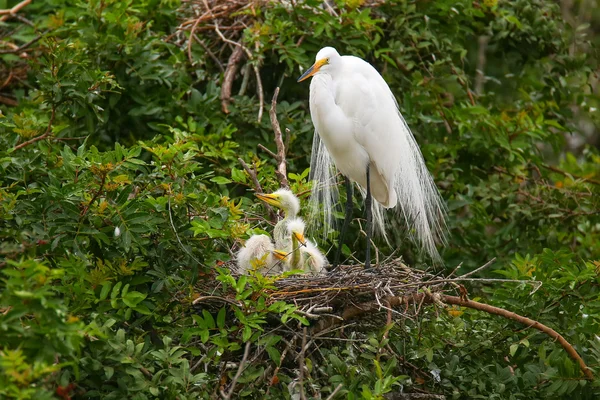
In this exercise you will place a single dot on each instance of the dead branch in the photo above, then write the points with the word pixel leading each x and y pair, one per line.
pixel 230 71
pixel 281 170
pixel 525 321
pixel 8 101
pixel 395 301
pixel 15 50
pixel 337 389
pixel 10 13
pixel 569 175
pixel 301 365
pixel 238 373
pixel 259 87
pixel 258 188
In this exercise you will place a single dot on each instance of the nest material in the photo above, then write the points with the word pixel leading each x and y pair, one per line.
pixel 347 291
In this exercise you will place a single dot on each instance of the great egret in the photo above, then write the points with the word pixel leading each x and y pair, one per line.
pixel 287 201
pixel 360 129
pixel 304 254
pixel 258 253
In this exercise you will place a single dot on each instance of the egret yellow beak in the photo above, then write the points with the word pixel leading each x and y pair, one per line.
pixel 313 70
pixel 279 254
pixel 300 237
pixel 271 199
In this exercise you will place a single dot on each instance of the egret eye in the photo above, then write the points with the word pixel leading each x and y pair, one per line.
pixel 327 60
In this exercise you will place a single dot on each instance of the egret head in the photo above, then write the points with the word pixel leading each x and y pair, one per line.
pixel 283 199
pixel 296 229
pixel 327 59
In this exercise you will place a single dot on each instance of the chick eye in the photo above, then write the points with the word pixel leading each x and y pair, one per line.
pixel 327 60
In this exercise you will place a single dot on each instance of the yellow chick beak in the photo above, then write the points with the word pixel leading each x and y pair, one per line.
pixel 271 199
pixel 279 254
pixel 300 238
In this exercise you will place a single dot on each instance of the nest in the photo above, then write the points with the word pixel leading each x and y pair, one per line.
pixel 346 292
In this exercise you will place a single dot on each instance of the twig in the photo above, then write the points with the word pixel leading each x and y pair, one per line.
pixel 261 96
pixel 191 40
pixel 258 188
pixel 269 152
pixel 301 365
pixel 10 13
pixel 568 175
pixel 23 46
pixel 230 71
pixel 177 236
pixel 224 300
pixel 41 137
pixel 484 266
pixel 337 389
pixel 281 170
pixel 210 53
pixel 238 373
pixel 481 61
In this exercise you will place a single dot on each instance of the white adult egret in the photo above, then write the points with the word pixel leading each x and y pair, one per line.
pixel 287 201
pixel 258 252
pixel 360 129
pixel 303 254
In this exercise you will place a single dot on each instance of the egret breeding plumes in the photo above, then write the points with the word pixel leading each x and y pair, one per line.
pixel 257 253
pixel 286 201
pixel 360 130
pixel 303 254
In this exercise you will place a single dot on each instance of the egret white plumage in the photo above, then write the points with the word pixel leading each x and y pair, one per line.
pixel 258 252
pixel 303 254
pixel 360 130
pixel 285 200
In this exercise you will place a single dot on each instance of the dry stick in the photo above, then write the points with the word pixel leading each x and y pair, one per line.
pixel 237 374
pixel 191 40
pixel 11 12
pixel 210 53
pixel 394 301
pixel 337 389
pixel 484 266
pixel 258 188
pixel 281 170
pixel 230 71
pixel 261 95
pixel 41 137
pixel 301 365
pixel 23 46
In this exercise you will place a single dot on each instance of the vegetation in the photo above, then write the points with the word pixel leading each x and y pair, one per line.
pixel 122 197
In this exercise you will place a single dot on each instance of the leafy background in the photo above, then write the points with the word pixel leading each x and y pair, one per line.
pixel 135 196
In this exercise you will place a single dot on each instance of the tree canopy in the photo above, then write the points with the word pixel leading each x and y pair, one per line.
pixel 133 135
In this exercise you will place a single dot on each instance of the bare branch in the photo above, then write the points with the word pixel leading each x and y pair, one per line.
pixel 41 137
pixel 10 13
pixel 230 71
pixel 238 373
pixel 281 170
pixel 258 188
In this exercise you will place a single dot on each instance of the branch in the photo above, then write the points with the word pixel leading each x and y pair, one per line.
pixel 259 87
pixel 10 13
pixel 525 321
pixel 395 301
pixel 238 373
pixel 258 188
pixel 41 137
pixel 568 175
pixel 232 66
pixel 301 365
pixel 337 389
pixel 281 170
pixel 23 46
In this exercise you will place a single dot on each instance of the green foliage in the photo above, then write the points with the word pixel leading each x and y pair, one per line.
pixel 134 198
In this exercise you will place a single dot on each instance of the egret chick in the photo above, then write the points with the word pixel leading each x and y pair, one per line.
pixel 286 201
pixel 304 254
pixel 360 130
pixel 258 251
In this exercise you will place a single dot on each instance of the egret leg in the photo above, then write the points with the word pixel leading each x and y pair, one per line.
pixel 347 219
pixel 368 202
